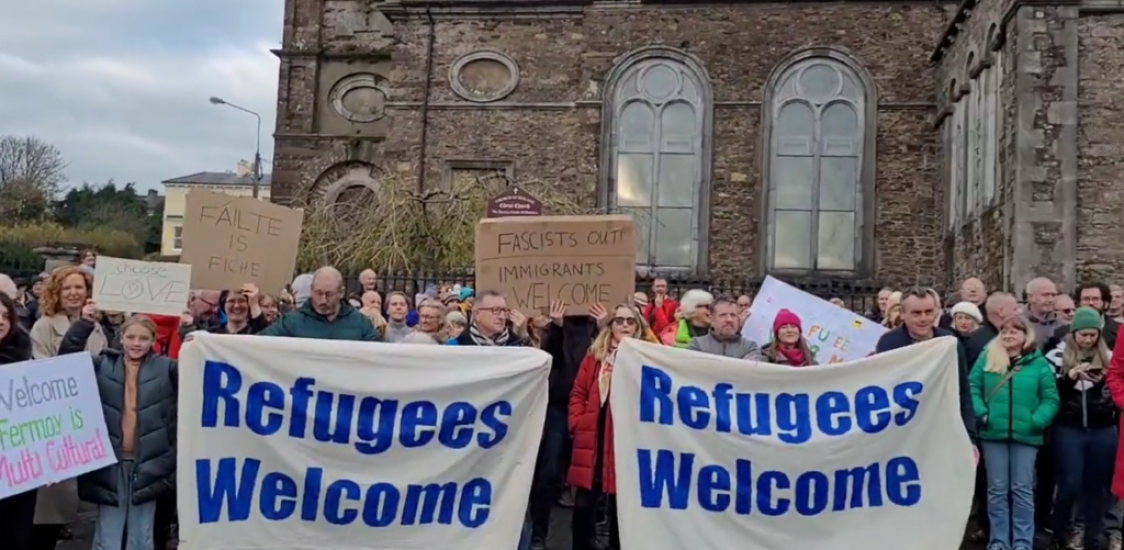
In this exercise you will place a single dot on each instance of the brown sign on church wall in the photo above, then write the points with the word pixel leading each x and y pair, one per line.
pixel 514 202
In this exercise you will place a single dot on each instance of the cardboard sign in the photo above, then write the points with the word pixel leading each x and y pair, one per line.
pixel 581 260
pixel 134 286
pixel 514 202
pixel 230 241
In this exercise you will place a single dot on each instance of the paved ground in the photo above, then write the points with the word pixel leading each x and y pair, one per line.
pixel 559 532
pixel 84 531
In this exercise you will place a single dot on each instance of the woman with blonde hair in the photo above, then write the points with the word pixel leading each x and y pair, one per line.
pixel 64 299
pixel 1084 434
pixel 1015 398
pixel 138 390
pixel 592 470
pixel 893 317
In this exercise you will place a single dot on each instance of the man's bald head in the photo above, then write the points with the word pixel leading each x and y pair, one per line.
pixel 367 279
pixel 327 291
pixel 972 290
pixel 999 306
pixel 1040 295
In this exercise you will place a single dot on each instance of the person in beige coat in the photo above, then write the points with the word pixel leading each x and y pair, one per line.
pixel 67 291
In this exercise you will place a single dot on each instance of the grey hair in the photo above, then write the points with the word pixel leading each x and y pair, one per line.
pixel 694 298
pixel 8 286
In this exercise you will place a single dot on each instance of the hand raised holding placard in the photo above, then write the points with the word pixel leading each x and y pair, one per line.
pixel 557 312
pixel 598 312
pixel 90 311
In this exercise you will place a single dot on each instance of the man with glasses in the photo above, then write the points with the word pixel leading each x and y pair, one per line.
pixel 744 303
pixel 1064 308
pixel 326 315
pixel 489 325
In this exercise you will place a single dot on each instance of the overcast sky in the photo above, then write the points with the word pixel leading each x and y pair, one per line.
pixel 121 86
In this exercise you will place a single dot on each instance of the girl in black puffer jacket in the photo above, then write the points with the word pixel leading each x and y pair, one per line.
pixel 17 512
pixel 1085 432
pixel 138 391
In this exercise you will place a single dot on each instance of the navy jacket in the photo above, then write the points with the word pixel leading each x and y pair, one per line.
pixel 900 338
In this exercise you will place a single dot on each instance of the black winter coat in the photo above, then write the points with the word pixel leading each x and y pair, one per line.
pixel 1084 404
pixel 15 347
pixel 154 451
pixel 567 345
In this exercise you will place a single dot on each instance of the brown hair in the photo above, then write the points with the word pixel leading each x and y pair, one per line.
pixel 142 320
pixel 49 297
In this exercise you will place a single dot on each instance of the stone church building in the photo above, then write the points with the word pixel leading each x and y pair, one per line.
pixel 886 141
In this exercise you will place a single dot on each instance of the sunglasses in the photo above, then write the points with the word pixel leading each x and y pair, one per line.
pixel 625 321
pixel 1068 311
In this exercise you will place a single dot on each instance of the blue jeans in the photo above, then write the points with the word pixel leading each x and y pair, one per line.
pixel 1085 460
pixel 128 522
pixel 1010 480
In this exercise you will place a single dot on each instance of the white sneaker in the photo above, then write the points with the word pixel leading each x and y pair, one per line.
pixel 1114 541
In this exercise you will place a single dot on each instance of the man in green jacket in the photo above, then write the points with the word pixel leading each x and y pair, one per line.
pixel 326 315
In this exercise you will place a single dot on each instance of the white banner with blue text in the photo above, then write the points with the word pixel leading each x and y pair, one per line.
pixel 715 453
pixel 302 444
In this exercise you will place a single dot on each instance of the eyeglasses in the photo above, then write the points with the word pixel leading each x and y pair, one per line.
pixel 494 310
pixel 1067 311
pixel 625 321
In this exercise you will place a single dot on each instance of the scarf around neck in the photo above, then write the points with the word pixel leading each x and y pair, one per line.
pixel 481 340
pixel 793 356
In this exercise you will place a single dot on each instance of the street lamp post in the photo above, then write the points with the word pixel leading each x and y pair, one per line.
pixel 257 148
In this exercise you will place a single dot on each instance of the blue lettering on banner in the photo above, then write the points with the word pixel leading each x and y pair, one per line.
pixel 232 489
pixel 371 425
pixel 676 480
pixel 227 494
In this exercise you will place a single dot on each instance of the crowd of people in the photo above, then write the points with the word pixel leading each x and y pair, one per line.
pixel 1034 375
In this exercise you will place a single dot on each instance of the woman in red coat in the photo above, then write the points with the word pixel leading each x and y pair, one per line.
pixel 1114 379
pixel 592 470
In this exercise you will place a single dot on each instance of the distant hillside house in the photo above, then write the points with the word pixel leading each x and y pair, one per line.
pixel 239 184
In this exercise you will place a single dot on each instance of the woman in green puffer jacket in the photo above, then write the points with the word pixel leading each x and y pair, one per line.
pixel 1015 396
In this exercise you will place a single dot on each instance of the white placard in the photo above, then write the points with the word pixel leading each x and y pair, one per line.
pixel 51 423
pixel 834 334
pixel 714 453
pixel 159 288
pixel 310 444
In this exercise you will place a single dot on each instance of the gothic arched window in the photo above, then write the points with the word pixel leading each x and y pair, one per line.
pixel 656 122
pixel 819 135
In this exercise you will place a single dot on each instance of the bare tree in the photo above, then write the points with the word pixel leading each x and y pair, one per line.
pixel 28 160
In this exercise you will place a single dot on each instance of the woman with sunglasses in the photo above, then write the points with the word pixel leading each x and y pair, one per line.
pixel 591 425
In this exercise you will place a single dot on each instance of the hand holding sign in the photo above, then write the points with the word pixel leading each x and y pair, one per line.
pixel 90 311
pixel 557 312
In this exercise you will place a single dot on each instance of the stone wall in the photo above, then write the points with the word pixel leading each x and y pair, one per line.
pixel 1100 198
pixel 550 124
pixel 977 246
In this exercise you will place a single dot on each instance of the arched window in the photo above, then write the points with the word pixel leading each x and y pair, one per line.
pixel 818 162
pixel 656 122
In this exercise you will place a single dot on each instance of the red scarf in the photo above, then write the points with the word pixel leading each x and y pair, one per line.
pixel 792 356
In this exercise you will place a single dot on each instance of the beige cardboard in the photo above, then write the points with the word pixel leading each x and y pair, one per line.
pixel 230 241
pixel 581 260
